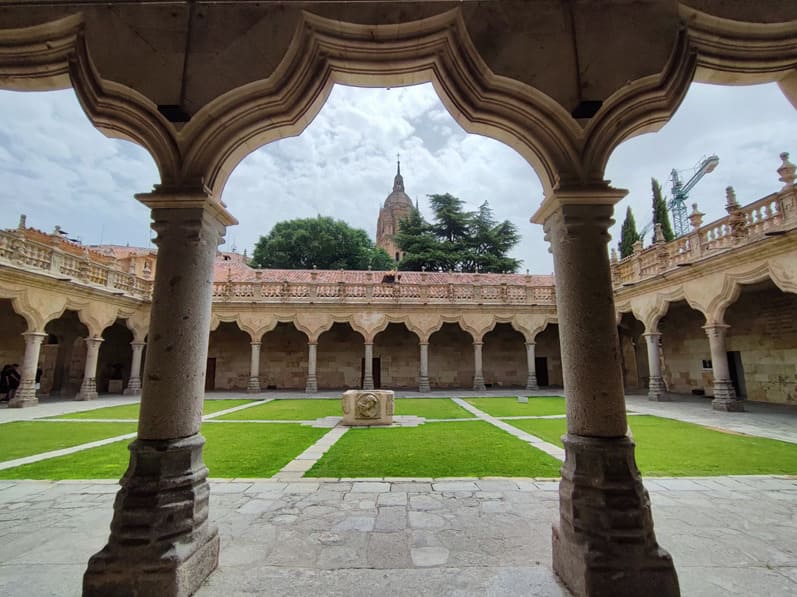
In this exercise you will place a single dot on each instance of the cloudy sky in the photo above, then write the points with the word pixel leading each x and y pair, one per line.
pixel 58 170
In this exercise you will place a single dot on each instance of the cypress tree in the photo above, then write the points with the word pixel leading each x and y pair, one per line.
pixel 628 235
pixel 660 214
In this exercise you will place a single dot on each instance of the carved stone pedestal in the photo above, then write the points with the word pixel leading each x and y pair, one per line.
pixel 367 407
pixel 161 542
pixel 604 543
pixel 656 390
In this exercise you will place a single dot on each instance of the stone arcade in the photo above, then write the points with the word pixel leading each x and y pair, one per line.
pixel 516 71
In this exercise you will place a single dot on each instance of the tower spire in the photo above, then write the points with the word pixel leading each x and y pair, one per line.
pixel 398 181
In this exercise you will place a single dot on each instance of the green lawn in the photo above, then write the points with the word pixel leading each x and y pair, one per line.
pixel 463 449
pixel 232 450
pixel 25 438
pixel 665 447
pixel 510 407
pixel 430 408
pixel 130 411
pixel 288 410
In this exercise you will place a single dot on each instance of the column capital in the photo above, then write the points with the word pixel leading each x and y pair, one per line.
pixel 715 329
pixel 255 344
pixel 140 344
pixel 651 334
pixel 34 336
pixel 96 340
pixel 532 343
pixel 588 195
pixel 196 197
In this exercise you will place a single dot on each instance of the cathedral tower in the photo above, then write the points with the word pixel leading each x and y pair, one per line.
pixel 397 207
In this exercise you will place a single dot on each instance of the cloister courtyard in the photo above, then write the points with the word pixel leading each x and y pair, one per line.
pixel 455 498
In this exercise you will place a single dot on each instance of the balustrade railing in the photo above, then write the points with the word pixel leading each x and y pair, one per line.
pixel 742 226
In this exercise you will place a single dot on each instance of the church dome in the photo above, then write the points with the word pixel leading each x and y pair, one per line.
pixel 398 198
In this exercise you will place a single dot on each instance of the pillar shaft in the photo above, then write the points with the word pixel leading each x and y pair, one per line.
pixel 604 542
pixel 254 369
pixel 724 393
pixel 478 373
pixel 161 541
pixel 312 381
pixel 656 389
pixel 26 393
pixel 88 389
pixel 531 380
pixel 368 374
pixel 423 378
pixel 134 383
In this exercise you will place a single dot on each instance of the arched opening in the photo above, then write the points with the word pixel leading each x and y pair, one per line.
pixel 63 361
pixel 283 358
pixel 633 352
pixel 762 343
pixel 504 356
pixel 12 326
pixel 228 358
pixel 451 358
pixel 548 357
pixel 396 351
pixel 113 365
pixel 340 358
pixel 686 354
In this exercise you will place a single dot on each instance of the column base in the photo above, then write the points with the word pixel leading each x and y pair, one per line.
pixel 88 390
pixel 368 384
pixel 161 542
pixel 604 543
pixel 726 405
pixel 253 386
pixel 423 385
pixel 478 383
pixel 656 390
pixel 23 399
pixel 531 383
pixel 312 385
pixel 133 387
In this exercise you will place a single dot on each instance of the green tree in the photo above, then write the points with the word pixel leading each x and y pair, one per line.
pixel 628 234
pixel 457 239
pixel 318 242
pixel 660 214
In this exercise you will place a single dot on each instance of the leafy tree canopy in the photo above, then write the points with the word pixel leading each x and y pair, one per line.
pixel 628 234
pixel 457 240
pixel 318 242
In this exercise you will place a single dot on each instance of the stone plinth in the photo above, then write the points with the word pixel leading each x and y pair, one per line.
pixel 367 407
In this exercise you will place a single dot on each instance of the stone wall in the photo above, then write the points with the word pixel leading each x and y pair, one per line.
pixel 547 346
pixel 685 347
pixel 283 358
pixel 763 328
pixel 231 348
pixel 115 356
pixel 12 344
pixel 340 354
pixel 504 358
pixel 451 358
pixel 400 355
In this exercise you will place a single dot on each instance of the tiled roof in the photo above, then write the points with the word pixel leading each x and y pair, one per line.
pixel 236 271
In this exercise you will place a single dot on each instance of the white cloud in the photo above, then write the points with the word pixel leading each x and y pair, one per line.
pixel 60 170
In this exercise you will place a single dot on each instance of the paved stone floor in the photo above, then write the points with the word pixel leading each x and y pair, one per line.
pixel 458 537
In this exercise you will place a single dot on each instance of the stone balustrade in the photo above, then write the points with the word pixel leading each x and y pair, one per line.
pixel 378 292
pixel 25 253
pixel 770 216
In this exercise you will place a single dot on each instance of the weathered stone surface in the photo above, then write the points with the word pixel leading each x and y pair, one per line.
pixel 367 407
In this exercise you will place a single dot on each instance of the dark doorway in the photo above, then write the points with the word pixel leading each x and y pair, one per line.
pixel 376 365
pixel 210 375
pixel 737 373
pixel 541 365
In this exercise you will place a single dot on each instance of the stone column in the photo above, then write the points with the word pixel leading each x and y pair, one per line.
pixel 604 542
pixel 161 542
pixel 368 374
pixel 531 380
pixel 88 389
pixel 656 389
pixel 134 383
pixel 423 378
pixel 724 394
pixel 254 370
pixel 26 393
pixel 478 374
pixel 312 383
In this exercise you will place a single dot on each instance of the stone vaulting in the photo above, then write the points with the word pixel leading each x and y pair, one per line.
pixel 200 84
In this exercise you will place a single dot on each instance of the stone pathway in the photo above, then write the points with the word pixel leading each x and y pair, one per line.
pixel 424 537
pixel 533 440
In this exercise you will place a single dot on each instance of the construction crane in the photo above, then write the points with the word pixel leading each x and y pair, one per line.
pixel 680 193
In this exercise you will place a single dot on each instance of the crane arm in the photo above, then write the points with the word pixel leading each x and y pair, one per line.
pixel 706 166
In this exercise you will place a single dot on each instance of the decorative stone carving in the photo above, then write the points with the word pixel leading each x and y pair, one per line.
pixel 367 407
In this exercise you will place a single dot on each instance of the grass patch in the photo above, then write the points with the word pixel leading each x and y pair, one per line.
pixel 25 438
pixel 464 449
pixel 510 407
pixel 130 411
pixel 431 408
pixel 665 447
pixel 288 410
pixel 232 450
